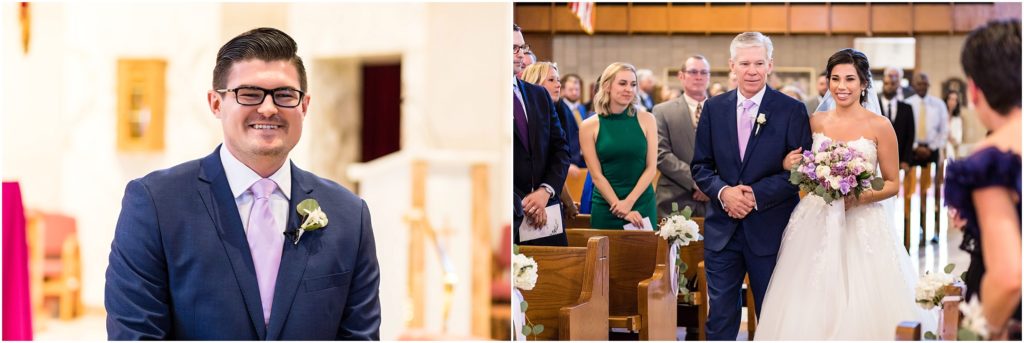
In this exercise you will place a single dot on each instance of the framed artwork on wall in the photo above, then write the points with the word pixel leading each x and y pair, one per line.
pixel 141 101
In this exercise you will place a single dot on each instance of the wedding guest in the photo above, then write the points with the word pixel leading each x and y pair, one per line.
pixel 572 96
pixel 793 92
pixel 985 187
pixel 956 123
pixel 902 92
pixel 545 74
pixel 931 118
pixel 677 130
pixel 646 81
pixel 814 101
pixel 716 89
pixel 901 115
pixel 538 164
pixel 620 145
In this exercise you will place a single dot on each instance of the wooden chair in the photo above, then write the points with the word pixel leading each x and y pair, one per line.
pixel 571 295
pixel 641 298
pixel 56 261
pixel 575 184
pixel 949 317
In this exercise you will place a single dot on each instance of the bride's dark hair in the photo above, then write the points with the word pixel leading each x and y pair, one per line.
pixel 859 62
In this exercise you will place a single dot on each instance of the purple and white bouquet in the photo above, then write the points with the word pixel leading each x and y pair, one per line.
pixel 833 171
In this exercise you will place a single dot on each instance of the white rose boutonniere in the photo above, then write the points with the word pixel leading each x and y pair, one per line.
pixel 313 217
pixel 760 121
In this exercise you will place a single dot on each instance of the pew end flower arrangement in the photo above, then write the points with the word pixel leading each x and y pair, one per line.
pixel 524 276
pixel 679 230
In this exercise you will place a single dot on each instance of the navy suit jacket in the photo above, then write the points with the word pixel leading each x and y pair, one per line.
pixel 180 266
pixel 716 164
pixel 546 159
pixel 572 132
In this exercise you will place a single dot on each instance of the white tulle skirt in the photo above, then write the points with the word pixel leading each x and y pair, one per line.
pixel 840 275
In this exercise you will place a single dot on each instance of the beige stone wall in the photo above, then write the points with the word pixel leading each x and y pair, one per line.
pixel 589 55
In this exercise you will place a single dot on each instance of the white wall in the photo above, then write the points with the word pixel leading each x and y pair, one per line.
pixel 59 121
pixel 59 101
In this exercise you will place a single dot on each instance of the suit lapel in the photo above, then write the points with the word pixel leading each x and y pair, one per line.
pixel 533 118
pixel 687 118
pixel 763 107
pixel 216 195
pixel 293 258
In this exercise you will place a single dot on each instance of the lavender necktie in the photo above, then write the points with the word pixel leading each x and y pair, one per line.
pixel 744 125
pixel 520 118
pixel 266 241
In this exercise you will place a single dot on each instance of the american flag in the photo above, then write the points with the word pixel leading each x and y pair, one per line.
pixel 584 11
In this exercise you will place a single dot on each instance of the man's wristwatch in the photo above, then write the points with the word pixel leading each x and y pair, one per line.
pixel 551 191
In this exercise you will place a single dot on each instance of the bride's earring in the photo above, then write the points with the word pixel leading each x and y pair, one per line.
pixel 864 93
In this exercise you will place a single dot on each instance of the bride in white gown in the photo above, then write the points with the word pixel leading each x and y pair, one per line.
pixel 841 271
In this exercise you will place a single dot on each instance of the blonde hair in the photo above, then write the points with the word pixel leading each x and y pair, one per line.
pixel 538 72
pixel 603 101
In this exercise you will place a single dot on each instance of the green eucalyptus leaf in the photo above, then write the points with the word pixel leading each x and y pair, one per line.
pixel 682 266
pixel 967 335
pixel 949 268
pixel 687 212
pixel 527 330
pixel 675 207
pixel 306 206
pixel 523 305
pixel 537 329
pixel 795 177
pixel 963 276
pixel 930 335
pixel 515 249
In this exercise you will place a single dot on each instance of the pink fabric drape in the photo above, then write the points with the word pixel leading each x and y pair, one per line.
pixel 17 304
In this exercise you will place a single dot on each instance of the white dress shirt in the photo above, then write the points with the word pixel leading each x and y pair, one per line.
pixel 937 121
pixel 240 178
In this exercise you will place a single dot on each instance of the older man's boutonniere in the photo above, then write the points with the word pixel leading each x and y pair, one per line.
pixel 760 121
pixel 312 217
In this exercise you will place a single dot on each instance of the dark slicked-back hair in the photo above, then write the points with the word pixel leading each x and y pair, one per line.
pixel 859 62
pixel 991 57
pixel 264 43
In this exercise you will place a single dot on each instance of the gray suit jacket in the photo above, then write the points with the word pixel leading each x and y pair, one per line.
pixel 676 135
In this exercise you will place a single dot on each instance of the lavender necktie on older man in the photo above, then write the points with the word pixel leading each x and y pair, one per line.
pixel 744 125
pixel 266 241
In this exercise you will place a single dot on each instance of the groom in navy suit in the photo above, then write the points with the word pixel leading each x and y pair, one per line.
pixel 211 249
pixel 742 138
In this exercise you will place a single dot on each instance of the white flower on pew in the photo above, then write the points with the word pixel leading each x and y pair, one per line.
pixel 677 228
pixel 930 288
pixel 525 271
pixel 973 326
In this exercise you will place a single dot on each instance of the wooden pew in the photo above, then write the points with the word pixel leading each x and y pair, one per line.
pixel 571 295
pixel 949 317
pixel 582 221
pixel 575 185
pixel 640 292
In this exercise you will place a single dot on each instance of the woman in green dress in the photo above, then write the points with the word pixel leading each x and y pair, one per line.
pixel 620 146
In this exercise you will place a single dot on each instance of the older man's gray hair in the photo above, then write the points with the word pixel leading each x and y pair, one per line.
pixel 750 40
pixel 643 74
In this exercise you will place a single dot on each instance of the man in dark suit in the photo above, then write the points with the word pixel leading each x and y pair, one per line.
pixel 742 138
pixel 216 249
pixel 540 157
pixel 677 130
pixel 901 115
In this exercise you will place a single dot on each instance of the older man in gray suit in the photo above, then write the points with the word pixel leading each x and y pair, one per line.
pixel 677 129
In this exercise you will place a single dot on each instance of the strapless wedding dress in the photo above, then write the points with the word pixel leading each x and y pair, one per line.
pixel 840 274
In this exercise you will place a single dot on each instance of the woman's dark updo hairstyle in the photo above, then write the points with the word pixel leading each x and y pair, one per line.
pixel 859 62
